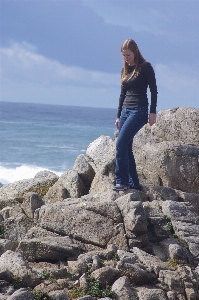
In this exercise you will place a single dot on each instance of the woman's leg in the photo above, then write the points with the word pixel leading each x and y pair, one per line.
pixel 133 176
pixel 132 121
pixel 121 155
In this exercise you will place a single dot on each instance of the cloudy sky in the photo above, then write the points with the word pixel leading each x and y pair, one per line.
pixel 68 51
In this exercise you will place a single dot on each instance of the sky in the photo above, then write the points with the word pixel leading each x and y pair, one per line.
pixel 67 52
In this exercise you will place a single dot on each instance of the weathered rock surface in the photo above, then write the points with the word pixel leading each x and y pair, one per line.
pixel 85 221
pixel 101 154
pixel 68 185
pixel 172 146
pixel 185 223
pixel 39 184
pixel 72 237
pixel 13 265
pixel 180 124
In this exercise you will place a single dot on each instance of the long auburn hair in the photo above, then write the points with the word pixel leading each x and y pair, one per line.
pixel 139 59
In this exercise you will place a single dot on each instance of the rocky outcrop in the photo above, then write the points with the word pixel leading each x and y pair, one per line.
pixel 40 184
pixel 72 237
pixel 170 150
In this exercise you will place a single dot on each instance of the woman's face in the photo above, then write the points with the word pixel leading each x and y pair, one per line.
pixel 128 56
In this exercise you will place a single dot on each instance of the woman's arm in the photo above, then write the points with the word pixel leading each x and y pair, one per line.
pixel 151 80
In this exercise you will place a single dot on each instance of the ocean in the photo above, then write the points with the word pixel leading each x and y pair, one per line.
pixel 37 137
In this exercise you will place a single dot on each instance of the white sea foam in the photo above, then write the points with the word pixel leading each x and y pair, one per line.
pixel 9 175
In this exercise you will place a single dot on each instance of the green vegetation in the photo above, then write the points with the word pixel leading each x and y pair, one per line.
pixel 170 226
pixel 115 257
pixel 176 262
pixel 39 295
pixel 96 291
pixel 43 276
pixel 184 244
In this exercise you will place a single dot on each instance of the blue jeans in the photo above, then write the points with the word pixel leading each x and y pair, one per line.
pixel 131 121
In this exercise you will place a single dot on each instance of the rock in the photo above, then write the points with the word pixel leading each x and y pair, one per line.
pixel 161 193
pixel 96 263
pixel 58 233
pixel 106 275
pixel 181 279
pixel 58 295
pixel 21 294
pixel 171 295
pixel 77 219
pixel 136 273
pixel 102 183
pixel 6 289
pixel 101 154
pixel 172 249
pixel 40 184
pixel 122 289
pixel 13 266
pixel 177 252
pixel 48 270
pixel 173 153
pixel 87 260
pixel 134 219
pixel 16 225
pixel 31 202
pixel 48 249
pixel 69 185
pixel 192 198
pixel 148 294
pixel 83 282
pixel 85 170
pixel 126 257
pixel 49 286
pixel 150 262
pixel 156 221
pixel 7 245
pixel 87 297
pixel 180 124
pixel 175 164
pixel 184 222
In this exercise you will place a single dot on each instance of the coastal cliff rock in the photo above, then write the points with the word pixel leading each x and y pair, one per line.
pixel 169 153
pixel 73 237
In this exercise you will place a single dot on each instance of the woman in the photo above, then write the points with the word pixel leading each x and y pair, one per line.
pixel 137 76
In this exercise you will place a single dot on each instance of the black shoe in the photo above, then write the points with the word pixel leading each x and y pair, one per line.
pixel 120 187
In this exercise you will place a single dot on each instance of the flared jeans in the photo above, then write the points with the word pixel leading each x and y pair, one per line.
pixel 131 121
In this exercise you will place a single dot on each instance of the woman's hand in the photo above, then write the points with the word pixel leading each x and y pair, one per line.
pixel 117 122
pixel 152 118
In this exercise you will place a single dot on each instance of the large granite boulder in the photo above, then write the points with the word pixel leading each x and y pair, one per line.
pixel 101 154
pixel 83 167
pixel 167 153
pixel 48 248
pixel 178 124
pixel 98 223
pixel 40 184
pixel 68 185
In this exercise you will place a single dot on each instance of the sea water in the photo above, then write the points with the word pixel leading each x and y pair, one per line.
pixel 36 137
